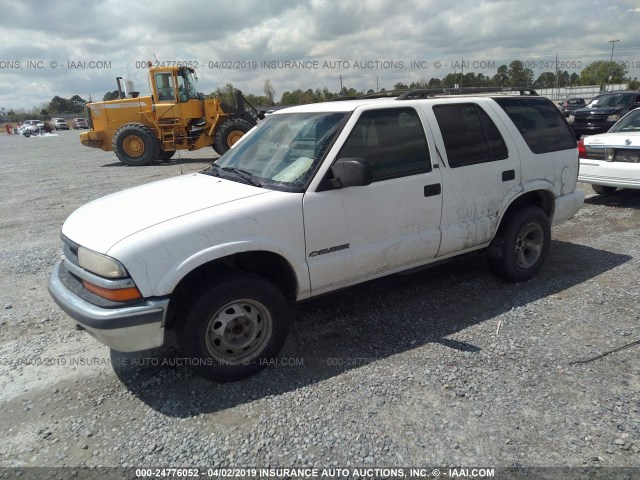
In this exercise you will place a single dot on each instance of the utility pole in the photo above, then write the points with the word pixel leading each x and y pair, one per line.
pixel 557 94
pixel 613 44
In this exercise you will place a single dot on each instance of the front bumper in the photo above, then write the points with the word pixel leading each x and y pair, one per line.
pixel 127 329
pixel 92 139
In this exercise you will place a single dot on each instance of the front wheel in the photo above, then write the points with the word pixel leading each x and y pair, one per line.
pixel 229 133
pixel 234 327
pixel 520 247
pixel 136 144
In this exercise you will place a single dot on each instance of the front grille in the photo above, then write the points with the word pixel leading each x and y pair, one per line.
pixel 584 120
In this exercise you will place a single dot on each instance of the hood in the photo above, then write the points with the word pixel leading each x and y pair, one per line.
pixel 100 224
pixel 596 110
pixel 615 139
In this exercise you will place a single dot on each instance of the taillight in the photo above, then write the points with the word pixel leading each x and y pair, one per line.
pixel 582 151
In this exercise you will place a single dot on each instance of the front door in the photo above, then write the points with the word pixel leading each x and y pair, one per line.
pixel 357 233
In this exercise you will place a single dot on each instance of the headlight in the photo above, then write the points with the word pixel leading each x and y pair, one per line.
pixel 613 118
pixel 100 264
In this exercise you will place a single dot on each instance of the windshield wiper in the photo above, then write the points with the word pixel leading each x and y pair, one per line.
pixel 248 176
pixel 243 174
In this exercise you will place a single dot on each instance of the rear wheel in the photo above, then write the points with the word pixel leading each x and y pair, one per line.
pixel 229 133
pixel 234 327
pixel 602 189
pixel 136 144
pixel 520 247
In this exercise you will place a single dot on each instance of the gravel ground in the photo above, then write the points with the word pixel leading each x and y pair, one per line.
pixel 446 367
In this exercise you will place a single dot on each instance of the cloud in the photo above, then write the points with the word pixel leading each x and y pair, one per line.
pixel 124 34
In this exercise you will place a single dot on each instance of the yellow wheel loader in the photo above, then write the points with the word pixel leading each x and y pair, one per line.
pixel 144 130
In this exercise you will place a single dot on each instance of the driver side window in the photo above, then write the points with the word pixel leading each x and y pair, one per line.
pixel 392 141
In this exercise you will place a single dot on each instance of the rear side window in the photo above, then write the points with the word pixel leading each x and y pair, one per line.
pixel 469 135
pixel 541 124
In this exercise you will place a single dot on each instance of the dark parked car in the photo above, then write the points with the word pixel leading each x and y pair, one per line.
pixel 604 111
pixel 80 123
pixel 571 104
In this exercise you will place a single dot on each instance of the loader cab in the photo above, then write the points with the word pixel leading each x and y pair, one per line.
pixel 164 86
pixel 175 96
pixel 186 85
pixel 173 85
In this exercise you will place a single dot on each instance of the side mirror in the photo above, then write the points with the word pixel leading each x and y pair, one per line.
pixel 349 172
pixel 261 114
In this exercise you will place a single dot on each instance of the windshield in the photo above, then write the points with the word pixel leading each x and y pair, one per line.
pixel 186 86
pixel 613 100
pixel 628 123
pixel 283 150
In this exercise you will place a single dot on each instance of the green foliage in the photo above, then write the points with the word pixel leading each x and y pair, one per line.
pixel 269 91
pixel 59 105
pixel 111 96
pixel 518 75
pixel 258 100
pixel 601 72
pixel 226 94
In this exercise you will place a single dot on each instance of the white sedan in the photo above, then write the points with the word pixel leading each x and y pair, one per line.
pixel 612 160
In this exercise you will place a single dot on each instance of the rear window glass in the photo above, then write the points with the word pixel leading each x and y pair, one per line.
pixel 470 137
pixel 541 124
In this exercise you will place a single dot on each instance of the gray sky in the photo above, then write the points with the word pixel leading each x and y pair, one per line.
pixel 79 47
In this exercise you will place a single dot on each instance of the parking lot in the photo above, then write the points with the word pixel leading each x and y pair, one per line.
pixel 448 366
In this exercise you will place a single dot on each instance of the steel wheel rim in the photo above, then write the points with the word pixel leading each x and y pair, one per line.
pixel 133 146
pixel 529 243
pixel 234 136
pixel 238 332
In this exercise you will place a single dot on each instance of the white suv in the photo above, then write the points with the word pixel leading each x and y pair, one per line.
pixel 313 199
pixel 59 124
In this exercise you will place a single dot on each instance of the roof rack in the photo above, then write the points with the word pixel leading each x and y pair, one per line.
pixel 434 92
pixel 383 94
pixel 427 93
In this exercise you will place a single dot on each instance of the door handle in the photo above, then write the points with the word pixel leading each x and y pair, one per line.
pixel 508 175
pixel 431 190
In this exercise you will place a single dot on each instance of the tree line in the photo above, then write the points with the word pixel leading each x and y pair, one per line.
pixel 515 74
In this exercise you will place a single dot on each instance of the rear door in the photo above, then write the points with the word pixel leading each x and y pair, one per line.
pixel 481 168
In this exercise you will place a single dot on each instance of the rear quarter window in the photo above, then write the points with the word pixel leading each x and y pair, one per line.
pixel 540 123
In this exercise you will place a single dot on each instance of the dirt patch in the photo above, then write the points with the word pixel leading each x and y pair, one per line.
pixel 447 366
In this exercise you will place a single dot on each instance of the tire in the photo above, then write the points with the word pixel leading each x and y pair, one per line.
pixel 520 247
pixel 166 155
pixel 234 327
pixel 602 189
pixel 229 133
pixel 136 144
